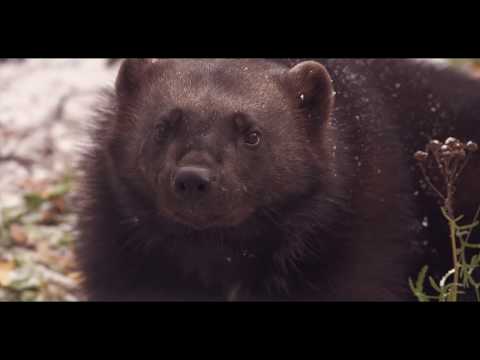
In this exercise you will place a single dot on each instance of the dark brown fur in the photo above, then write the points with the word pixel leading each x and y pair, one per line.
pixel 325 209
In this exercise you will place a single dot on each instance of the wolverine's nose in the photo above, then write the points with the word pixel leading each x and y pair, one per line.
pixel 191 182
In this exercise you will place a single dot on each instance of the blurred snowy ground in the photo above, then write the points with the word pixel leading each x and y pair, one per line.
pixel 44 104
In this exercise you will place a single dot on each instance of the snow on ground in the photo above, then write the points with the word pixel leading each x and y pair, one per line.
pixel 44 105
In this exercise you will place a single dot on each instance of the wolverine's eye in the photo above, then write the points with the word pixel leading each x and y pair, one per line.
pixel 167 125
pixel 244 125
pixel 253 138
pixel 161 130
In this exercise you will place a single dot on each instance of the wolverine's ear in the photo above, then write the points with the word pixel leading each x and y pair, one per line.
pixel 312 87
pixel 130 76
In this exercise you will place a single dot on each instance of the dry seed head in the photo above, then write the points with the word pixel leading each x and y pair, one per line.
pixel 451 141
pixel 472 146
pixel 421 156
pixel 434 145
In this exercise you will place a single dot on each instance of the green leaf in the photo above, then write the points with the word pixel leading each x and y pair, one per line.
pixel 58 190
pixel 421 278
pixel 33 201
pixel 434 285
pixel 467 227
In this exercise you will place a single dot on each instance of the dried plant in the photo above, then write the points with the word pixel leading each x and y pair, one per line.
pixel 449 159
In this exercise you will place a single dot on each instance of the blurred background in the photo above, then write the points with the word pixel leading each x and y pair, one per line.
pixel 44 107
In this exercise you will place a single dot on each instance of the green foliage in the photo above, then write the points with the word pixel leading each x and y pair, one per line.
pixel 36 239
pixel 468 263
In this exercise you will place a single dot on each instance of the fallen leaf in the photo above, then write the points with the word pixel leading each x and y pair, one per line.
pixel 48 218
pixel 45 254
pixel 59 204
pixel 33 200
pixel 76 276
pixel 56 191
pixel 36 186
pixel 6 268
pixel 18 234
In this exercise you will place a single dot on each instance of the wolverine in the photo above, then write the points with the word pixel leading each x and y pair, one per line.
pixel 269 179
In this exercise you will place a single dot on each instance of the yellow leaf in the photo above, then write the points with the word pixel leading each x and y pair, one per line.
pixel 76 276
pixel 6 268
